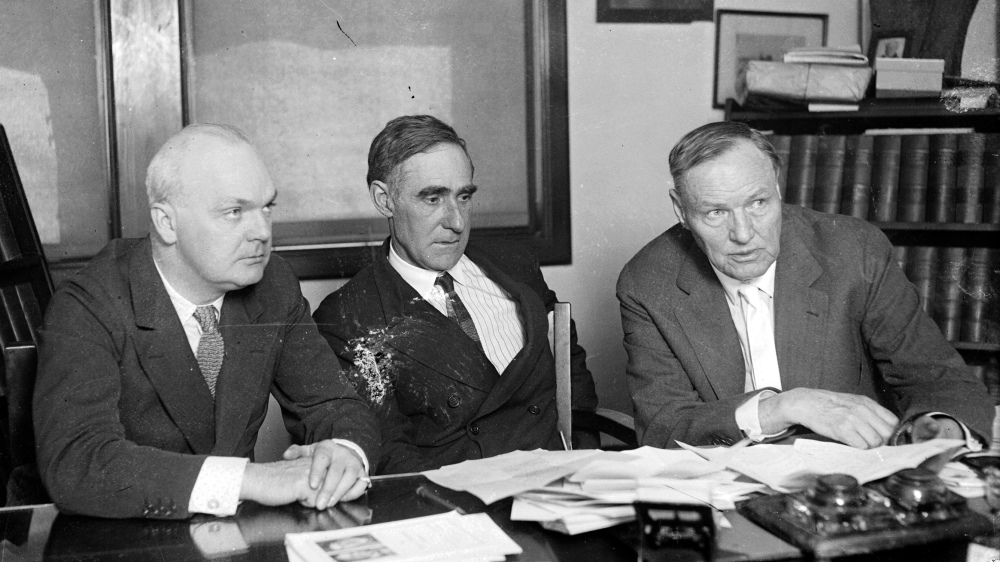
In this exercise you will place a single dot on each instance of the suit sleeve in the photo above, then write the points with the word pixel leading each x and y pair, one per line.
pixel 667 406
pixel 317 400
pixel 923 370
pixel 361 369
pixel 85 458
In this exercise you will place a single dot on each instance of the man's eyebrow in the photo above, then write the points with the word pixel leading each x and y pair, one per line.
pixel 433 191
pixel 469 189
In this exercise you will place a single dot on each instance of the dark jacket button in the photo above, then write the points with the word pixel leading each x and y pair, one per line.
pixel 454 401
pixel 534 410
pixel 474 429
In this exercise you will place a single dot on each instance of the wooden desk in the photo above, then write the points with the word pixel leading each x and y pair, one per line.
pixel 257 533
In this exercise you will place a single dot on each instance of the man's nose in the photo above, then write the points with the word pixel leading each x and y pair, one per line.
pixel 455 218
pixel 741 230
pixel 259 228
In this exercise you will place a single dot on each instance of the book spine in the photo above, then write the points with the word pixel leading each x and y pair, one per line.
pixel 829 173
pixel 885 176
pixel 991 179
pixel 901 255
pixel 941 178
pixel 976 294
pixel 782 145
pixel 969 193
pixel 948 292
pixel 802 170
pixel 857 178
pixel 913 178
pixel 921 267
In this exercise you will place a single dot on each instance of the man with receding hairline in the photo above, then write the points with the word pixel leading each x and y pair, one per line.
pixel 156 359
pixel 446 337
pixel 750 317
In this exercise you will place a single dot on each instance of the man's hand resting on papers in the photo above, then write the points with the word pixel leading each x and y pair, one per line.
pixel 854 420
pixel 317 475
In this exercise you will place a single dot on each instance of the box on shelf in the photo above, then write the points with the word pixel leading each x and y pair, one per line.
pixel 808 82
pixel 908 78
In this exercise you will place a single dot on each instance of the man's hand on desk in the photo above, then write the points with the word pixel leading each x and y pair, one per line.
pixel 317 475
pixel 854 420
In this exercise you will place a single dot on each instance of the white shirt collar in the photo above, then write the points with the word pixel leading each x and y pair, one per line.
pixel 765 282
pixel 185 308
pixel 422 280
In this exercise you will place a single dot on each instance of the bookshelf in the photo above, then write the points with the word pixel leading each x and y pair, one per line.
pixel 926 176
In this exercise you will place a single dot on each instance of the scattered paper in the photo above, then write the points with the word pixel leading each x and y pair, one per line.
pixel 788 468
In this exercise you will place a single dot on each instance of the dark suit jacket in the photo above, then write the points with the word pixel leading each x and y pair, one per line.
pixel 846 320
pixel 439 400
pixel 123 417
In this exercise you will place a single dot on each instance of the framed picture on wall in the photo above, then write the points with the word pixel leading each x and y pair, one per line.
pixel 742 36
pixel 653 11
pixel 314 86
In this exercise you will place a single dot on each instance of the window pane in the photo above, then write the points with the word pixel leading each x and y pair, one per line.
pixel 55 121
pixel 313 82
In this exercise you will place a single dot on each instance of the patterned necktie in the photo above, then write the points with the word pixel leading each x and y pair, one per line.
pixel 210 348
pixel 457 310
pixel 760 335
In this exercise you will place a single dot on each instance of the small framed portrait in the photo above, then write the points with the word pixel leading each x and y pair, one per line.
pixel 889 45
pixel 741 37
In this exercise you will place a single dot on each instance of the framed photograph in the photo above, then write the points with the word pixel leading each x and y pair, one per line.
pixel 741 37
pixel 890 44
pixel 653 11
pixel 314 86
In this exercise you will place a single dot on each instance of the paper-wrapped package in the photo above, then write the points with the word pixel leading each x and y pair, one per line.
pixel 808 82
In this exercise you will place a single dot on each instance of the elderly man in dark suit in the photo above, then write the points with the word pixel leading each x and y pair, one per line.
pixel 750 317
pixel 157 358
pixel 447 338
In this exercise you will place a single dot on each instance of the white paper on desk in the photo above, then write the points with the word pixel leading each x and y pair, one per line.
pixel 646 462
pixel 495 478
pixel 447 536
pixel 788 468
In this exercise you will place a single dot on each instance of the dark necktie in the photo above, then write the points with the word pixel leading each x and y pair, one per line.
pixel 210 348
pixel 456 310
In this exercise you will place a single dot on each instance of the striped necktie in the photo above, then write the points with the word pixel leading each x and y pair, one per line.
pixel 456 309
pixel 210 347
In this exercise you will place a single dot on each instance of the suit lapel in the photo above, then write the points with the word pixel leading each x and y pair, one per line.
pixel 166 356
pixel 417 330
pixel 536 326
pixel 800 313
pixel 247 344
pixel 707 323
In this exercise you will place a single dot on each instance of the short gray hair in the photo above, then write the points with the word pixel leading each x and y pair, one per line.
pixel 708 142
pixel 163 175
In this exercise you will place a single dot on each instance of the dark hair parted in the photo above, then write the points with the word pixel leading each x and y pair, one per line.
pixel 402 138
pixel 711 141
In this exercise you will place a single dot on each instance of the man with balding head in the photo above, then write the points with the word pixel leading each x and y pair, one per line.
pixel 156 359
pixel 751 317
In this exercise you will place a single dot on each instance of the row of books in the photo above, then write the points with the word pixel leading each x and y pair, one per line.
pixel 957 288
pixel 907 178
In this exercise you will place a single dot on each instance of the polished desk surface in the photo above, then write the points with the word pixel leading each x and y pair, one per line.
pixel 257 533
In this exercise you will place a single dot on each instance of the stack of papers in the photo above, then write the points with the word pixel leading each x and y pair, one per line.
pixel 446 537
pixel 843 56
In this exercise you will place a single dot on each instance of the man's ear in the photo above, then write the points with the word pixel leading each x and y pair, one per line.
pixel 164 218
pixel 675 200
pixel 382 198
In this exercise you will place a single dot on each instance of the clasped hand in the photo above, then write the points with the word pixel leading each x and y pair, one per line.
pixel 317 475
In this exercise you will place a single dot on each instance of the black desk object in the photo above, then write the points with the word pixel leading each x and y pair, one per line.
pixel 257 533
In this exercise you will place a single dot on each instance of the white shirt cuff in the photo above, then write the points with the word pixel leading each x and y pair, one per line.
pixel 971 442
pixel 748 420
pixel 353 446
pixel 217 489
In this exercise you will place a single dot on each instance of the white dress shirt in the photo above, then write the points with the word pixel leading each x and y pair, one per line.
pixel 217 489
pixel 496 315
